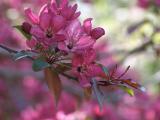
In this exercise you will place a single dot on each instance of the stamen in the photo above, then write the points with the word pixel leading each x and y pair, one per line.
pixel 70 46
pixel 124 72
pixel 79 69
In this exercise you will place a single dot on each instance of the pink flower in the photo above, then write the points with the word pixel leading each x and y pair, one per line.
pixel 63 8
pixel 95 33
pixel 84 68
pixel 46 27
pixel 76 38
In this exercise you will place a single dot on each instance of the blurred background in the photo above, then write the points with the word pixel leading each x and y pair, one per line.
pixel 132 38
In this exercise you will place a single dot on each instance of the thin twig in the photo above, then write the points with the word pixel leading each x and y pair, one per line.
pixel 8 49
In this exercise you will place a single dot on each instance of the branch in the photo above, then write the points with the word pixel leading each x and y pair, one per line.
pixel 138 49
pixel 8 49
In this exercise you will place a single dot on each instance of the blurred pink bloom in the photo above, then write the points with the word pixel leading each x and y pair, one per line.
pixel 39 112
pixel 47 111
pixel 69 105
pixel 5 31
pixel 85 68
pixel 144 3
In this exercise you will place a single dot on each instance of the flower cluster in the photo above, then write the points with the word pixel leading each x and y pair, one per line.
pixel 59 43
pixel 57 33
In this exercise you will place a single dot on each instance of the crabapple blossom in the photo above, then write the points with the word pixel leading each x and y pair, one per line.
pixel 84 67
pixel 76 38
pixel 63 8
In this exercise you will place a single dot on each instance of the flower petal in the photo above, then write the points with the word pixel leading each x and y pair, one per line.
pixel 97 33
pixel 62 46
pixel 54 7
pixel 89 56
pixel 77 60
pixel 32 17
pixel 58 23
pixel 45 20
pixel 74 8
pixel 43 9
pixel 87 25
pixel 76 15
pixel 67 12
pixel 74 28
pixel 59 37
pixel 85 42
pixel 95 70
pixel 64 3
pixel 37 32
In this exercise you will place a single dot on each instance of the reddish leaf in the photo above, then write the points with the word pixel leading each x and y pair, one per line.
pixel 132 84
pixel 53 82
pixel 87 92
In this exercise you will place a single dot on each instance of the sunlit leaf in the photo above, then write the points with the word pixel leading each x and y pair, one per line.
pixel 53 82
pixel 128 90
pixel 98 93
pixel 39 65
pixel 26 35
pixel 23 54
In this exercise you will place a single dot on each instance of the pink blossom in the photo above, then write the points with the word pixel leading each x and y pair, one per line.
pixel 95 33
pixel 46 26
pixel 85 68
pixel 76 38
pixel 63 8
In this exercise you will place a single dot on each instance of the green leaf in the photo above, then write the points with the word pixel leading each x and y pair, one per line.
pixel 98 93
pixel 105 69
pixel 23 54
pixel 26 35
pixel 39 65
pixel 53 82
pixel 128 90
